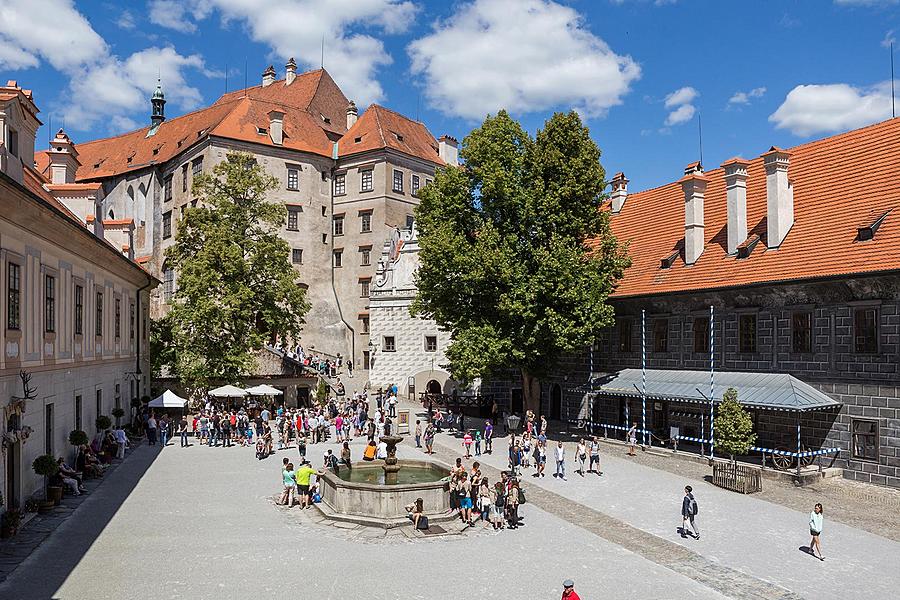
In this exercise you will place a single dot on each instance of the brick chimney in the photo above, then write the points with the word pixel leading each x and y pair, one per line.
pixel 448 150
pixel 268 76
pixel 276 127
pixel 779 196
pixel 63 159
pixel 694 186
pixel 290 71
pixel 619 192
pixel 736 197
pixel 352 114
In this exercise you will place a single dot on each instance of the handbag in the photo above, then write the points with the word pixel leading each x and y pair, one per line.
pixel 521 496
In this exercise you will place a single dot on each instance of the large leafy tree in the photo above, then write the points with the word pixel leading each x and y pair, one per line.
pixel 517 259
pixel 236 285
pixel 734 426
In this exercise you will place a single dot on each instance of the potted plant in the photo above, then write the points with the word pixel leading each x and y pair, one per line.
pixel 77 438
pixel 9 523
pixel 45 465
pixel 118 412
pixel 103 423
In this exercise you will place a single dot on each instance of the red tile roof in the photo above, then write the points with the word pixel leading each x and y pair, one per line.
pixel 380 127
pixel 839 182
pixel 34 182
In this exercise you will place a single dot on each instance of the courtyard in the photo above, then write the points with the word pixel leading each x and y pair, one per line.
pixel 202 522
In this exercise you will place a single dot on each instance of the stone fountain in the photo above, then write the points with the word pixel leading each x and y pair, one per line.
pixel 390 463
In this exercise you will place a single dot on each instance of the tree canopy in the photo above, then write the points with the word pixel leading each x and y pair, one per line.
pixel 236 285
pixel 517 259
pixel 734 426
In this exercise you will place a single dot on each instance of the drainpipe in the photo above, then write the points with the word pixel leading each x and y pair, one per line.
pixel 334 156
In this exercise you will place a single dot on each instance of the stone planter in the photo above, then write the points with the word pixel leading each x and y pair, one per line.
pixel 54 494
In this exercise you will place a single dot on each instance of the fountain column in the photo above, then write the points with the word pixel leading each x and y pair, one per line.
pixel 390 463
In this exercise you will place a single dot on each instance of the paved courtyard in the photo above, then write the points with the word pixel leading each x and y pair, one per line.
pixel 201 523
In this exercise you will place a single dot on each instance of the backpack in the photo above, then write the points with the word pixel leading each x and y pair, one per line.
pixel 694 508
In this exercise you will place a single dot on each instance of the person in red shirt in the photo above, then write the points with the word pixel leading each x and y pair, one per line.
pixel 569 592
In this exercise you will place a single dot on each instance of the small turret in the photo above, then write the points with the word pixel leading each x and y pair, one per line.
pixel 158 100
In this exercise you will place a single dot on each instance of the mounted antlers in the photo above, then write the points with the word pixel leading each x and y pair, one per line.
pixel 29 392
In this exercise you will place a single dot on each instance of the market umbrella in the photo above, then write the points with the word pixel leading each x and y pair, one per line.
pixel 228 391
pixel 263 390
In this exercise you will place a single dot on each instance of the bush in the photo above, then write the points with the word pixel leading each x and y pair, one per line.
pixel 77 437
pixel 103 423
pixel 135 403
pixel 118 412
pixel 734 426
pixel 45 465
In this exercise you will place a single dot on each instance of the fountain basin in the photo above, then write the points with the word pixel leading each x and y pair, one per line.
pixel 361 498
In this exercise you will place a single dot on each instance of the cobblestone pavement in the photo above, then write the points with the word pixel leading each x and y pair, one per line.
pixel 200 523
pixel 744 534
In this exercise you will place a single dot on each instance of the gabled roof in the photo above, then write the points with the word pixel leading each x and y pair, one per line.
pixel 380 128
pixel 838 182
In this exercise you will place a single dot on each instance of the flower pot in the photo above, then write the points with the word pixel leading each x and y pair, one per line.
pixel 45 506
pixel 54 494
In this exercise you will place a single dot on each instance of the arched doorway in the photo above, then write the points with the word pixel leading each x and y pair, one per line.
pixel 555 402
pixel 433 387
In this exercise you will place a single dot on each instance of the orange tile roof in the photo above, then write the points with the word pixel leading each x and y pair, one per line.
pixel 34 182
pixel 380 127
pixel 838 183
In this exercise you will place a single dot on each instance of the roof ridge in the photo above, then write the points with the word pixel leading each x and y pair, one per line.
pixel 379 125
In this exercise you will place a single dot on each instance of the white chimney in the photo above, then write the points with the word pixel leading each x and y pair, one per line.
pixel 290 71
pixel 268 77
pixel 736 195
pixel 448 150
pixel 352 114
pixel 276 127
pixel 63 159
pixel 619 192
pixel 694 186
pixel 779 196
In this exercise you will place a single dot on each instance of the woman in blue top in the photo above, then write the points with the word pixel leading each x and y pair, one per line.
pixel 290 484
pixel 815 529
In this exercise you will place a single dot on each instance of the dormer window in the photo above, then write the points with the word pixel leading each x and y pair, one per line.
pixel 357 140
pixel 261 130
pixel 867 230
pixel 398 136
pixel 746 249
pixel 668 261
pixel 326 120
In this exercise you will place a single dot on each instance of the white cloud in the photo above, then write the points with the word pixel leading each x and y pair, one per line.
pixel 525 56
pixel 683 113
pixel 684 95
pixel 875 3
pixel 889 39
pixel 680 106
pixel 297 27
pixel 744 97
pixel 65 40
pixel 126 21
pixel 811 109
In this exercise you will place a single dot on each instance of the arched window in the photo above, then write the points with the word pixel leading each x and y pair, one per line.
pixel 131 193
pixel 112 215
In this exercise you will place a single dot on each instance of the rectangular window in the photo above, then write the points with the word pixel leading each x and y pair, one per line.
pixel 49 303
pixel 865 330
pixel 390 344
pixel 14 142
pixel 168 283
pixel 297 256
pixel 98 324
pixel 365 181
pixel 49 432
pixel 398 181
pixel 364 287
pixel 338 258
pixel 747 333
pixel 624 326
pixel 78 414
pixel 293 179
pixel 365 257
pixel 340 184
pixel 364 324
pixel 801 332
pixel 367 362
pixel 184 177
pixel 865 439
pixel 661 335
pixel 701 335
pixel 414 188
pixel 409 221
pixel 293 219
pixel 79 310
pixel 117 325
pixel 365 222
pixel 167 188
pixel 167 224
pixel 99 403
pixel 430 343
pixel 131 321
pixel 338 225
pixel 13 296
pixel 197 167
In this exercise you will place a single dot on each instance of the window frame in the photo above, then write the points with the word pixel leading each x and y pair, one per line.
pixel 337 258
pixel 744 347
pixel 132 320
pixel 167 188
pixel 337 225
pixel 624 325
pixel 295 256
pixel 364 324
pixel 365 221
pixel 293 218
pixel 196 167
pixel 873 346
pixel 661 342
pixel 98 314
pixel 78 302
pixel 367 180
pixel 415 185
pixel 168 283
pixel 49 303
pixel 393 344
pixel 800 343
pixel 365 256
pixel 397 181
pixel 292 182
pixel 79 412
pixel 853 439
pixel 427 346
pixel 167 224
pixel 365 287
pixel 117 316
pixel 13 296
pixel 340 184
pixel 184 178
pixel 49 428
pixel 700 335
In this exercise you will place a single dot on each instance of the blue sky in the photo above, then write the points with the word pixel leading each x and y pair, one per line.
pixel 760 73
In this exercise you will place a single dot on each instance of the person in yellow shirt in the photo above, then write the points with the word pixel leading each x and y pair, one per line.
pixel 302 476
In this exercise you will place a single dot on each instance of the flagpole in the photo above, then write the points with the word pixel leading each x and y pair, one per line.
pixel 644 375
pixel 712 380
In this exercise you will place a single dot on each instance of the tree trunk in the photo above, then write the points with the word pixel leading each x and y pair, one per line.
pixel 531 392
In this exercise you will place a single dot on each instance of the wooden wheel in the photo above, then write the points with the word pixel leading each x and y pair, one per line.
pixel 807 460
pixel 782 462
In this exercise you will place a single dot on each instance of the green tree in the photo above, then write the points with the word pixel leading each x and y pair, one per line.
pixel 734 426
pixel 236 285
pixel 517 259
pixel 321 392
pixel 163 351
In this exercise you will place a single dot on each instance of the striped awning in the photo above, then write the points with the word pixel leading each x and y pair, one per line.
pixel 771 391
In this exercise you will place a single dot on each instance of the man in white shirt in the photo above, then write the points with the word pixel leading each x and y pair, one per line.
pixel 392 406
pixel 151 430
pixel 560 461
pixel 381 450
pixel 121 442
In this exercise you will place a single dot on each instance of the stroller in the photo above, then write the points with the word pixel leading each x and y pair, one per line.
pixel 261 449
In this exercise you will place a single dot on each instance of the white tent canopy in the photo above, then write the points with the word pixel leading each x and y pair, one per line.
pixel 263 390
pixel 169 399
pixel 228 391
